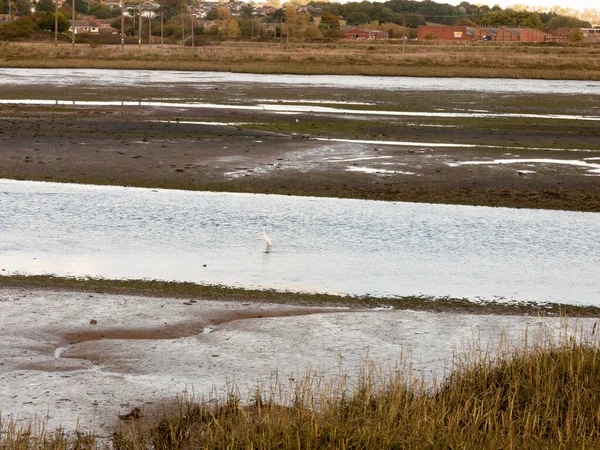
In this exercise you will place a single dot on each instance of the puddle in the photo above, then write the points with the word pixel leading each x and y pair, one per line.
pixel 290 109
pixel 402 143
pixel 450 145
pixel 366 158
pixel 593 168
pixel 316 102
pixel 216 124
pixel 376 171
pixel 60 350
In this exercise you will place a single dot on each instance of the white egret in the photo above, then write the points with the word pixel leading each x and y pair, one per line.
pixel 267 239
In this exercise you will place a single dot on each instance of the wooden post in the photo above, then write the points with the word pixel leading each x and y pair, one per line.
pixel 56 23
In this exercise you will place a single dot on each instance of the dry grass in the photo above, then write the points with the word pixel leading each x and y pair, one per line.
pixel 33 437
pixel 540 394
pixel 418 59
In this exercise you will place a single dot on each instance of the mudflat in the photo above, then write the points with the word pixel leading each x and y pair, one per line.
pixel 529 164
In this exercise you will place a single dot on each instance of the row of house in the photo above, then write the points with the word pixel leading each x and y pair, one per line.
pixel 92 26
pixel 200 10
pixel 95 26
pixel 503 34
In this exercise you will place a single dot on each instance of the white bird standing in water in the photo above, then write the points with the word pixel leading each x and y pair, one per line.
pixel 267 240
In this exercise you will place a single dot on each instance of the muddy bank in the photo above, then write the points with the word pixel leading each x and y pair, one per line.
pixel 255 152
pixel 55 369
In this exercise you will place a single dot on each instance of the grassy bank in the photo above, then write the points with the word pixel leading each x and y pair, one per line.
pixel 340 58
pixel 541 393
pixel 180 290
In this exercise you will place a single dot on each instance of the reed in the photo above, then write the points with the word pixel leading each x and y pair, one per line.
pixel 541 393
pixel 35 436
pixel 385 59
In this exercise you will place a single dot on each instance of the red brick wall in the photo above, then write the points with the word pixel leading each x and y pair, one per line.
pixel 443 33
pixel 504 35
pixel 532 35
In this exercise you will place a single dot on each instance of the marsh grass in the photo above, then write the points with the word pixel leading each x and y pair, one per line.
pixel 34 436
pixel 385 59
pixel 540 391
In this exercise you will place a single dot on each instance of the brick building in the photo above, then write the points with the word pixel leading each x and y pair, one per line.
pixel 362 33
pixel 444 33
pixel 504 34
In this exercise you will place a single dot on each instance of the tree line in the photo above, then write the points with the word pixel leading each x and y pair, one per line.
pixel 324 19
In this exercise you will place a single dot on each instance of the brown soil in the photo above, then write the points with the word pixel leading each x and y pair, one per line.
pixel 130 147
pixel 191 327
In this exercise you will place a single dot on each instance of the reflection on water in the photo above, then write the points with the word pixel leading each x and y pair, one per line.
pixel 325 245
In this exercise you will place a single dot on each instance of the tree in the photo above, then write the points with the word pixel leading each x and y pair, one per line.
pixel 466 23
pixel 223 13
pixel 382 14
pixel 247 11
pixel 20 7
pixel 231 28
pixel 81 6
pixel 357 18
pixel 329 22
pixel 250 27
pixel 100 11
pixel 211 15
pixel 276 17
pixel 512 18
pixel 169 8
pixel 228 26
pixel 44 6
pixel 312 32
pixel 295 23
pixel 566 22
pixel 415 21
pixel 46 22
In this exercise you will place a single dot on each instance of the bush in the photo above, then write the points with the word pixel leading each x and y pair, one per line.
pixel 21 28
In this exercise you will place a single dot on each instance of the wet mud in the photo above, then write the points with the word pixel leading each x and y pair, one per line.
pixel 154 148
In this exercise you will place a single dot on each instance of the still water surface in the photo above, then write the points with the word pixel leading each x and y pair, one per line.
pixel 319 244
pixel 95 78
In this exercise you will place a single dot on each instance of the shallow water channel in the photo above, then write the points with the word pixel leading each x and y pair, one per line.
pixel 208 80
pixel 319 244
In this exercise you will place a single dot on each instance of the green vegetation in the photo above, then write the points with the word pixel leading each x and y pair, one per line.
pixel 171 289
pixel 540 393
pixel 512 18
